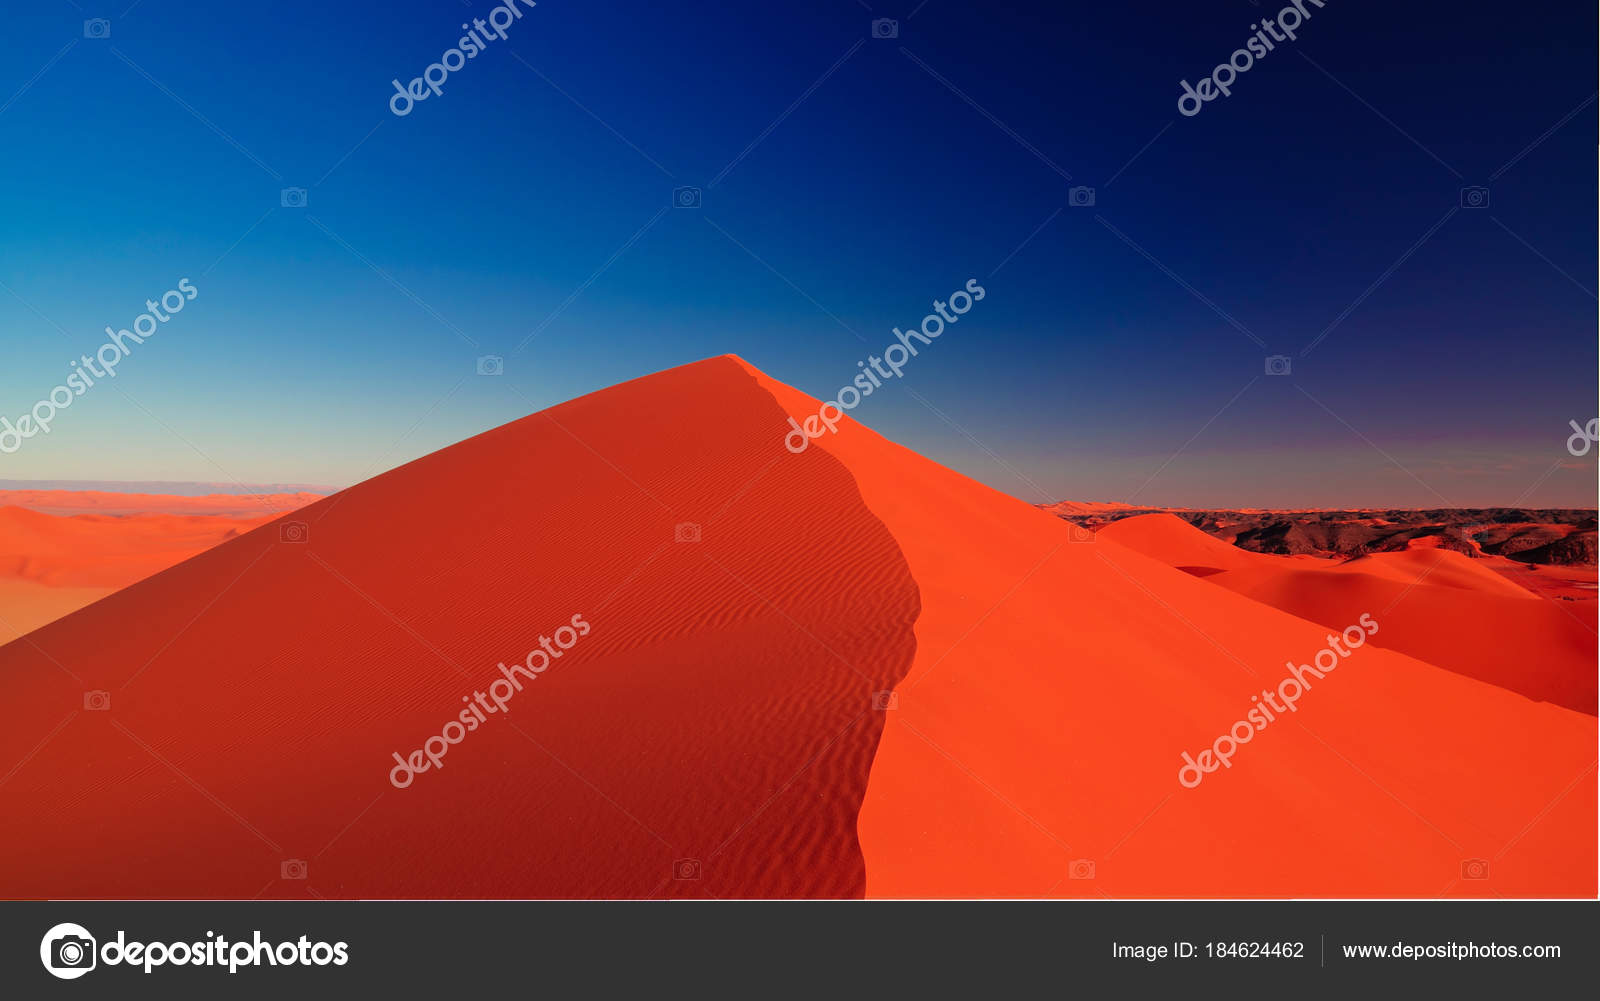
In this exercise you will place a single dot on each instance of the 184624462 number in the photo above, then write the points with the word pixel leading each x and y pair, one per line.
pixel 1255 950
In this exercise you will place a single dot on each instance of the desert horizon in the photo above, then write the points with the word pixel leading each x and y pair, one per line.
pixel 1110 491
pixel 877 714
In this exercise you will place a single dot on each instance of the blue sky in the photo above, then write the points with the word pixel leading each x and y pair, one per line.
pixel 848 181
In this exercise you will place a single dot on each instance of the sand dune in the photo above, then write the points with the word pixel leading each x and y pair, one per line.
pixel 1435 605
pixel 1057 682
pixel 107 502
pixel 105 550
pixel 719 732
pixel 25 605
pixel 52 565
pixel 720 711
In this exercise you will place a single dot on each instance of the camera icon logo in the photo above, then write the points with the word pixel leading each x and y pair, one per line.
pixel 1082 868
pixel 686 868
pixel 885 27
pixel 686 198
pixel 885 701
pixel 1279 365
pixel 68 951
pixel 1475 197
pixel 1077 533
pixel 1080 197
pixel 491 365
pixel 294 531
pixel 1475 868
pixel 97 701
pixel 292 868
pixel 686 531
pixel 97 27
pixel 293 198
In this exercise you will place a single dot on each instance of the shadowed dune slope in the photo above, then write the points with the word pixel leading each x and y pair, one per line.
pixel 718 714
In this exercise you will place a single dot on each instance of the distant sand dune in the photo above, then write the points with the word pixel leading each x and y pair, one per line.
pixel 1433 604
pixel 54 564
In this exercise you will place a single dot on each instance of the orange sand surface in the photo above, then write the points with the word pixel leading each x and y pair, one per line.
pixel 1057 682
pixel 25 605
pixel 869 675
pixel 96 550
pixel 54 564
pixel 1437 605
pixel 102 502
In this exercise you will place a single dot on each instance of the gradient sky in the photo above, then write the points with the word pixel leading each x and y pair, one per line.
pixel 848 182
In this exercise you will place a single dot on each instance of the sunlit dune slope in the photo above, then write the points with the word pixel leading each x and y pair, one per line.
pixel 1056 684
pixel 1434 604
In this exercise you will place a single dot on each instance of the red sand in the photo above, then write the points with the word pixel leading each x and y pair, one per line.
pixel 52 565
pixel 720 710
pixel 103 502
pixel 95 550
pixel 1433 604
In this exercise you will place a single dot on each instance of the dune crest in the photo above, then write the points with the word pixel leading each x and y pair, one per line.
pixel 1036 742
pixel 712 736
pixel 850 671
